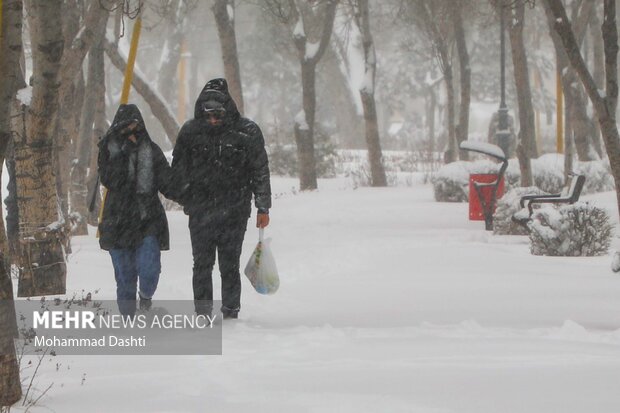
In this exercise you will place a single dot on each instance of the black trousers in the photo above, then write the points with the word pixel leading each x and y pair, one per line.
pixel 224 234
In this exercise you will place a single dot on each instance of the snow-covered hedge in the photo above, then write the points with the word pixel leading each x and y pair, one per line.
pixel 570 230
pixel 451 182
pixel 548 173
pixel 507 206
pixel 598 176
pixel 615 263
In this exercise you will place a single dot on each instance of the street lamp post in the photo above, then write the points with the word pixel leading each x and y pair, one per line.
pixel 503 133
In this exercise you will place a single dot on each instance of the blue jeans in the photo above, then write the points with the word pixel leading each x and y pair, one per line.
pixel 141 264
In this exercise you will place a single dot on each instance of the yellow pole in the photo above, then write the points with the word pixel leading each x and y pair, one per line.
pixel 131 60
pixel 181 94
pixel 559 138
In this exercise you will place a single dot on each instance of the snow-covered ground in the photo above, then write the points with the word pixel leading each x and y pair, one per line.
pixel 389 302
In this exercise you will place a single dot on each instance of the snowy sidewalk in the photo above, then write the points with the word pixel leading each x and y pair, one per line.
pixel 389 302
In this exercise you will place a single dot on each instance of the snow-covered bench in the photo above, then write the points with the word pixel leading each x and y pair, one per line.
pixel 496 152
pixel 569 195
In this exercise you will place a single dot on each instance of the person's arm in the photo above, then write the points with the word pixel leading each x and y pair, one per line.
pixel 259 173
pixel 179 189
pixel 112 163
pixel 163 173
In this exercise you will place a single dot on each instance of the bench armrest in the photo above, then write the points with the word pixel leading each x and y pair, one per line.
pixel 534 197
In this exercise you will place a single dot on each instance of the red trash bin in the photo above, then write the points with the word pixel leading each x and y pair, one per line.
pixel 475 207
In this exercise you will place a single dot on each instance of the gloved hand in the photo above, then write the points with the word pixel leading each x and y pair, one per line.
pixel 262 220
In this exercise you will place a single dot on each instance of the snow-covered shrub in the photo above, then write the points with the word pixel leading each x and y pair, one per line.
pixel 283 157
pixel 570 230
pixel 451 182
pixel 360 175
pixel 507 206
pixel 598 176
pixel 615 263
pixel 548 173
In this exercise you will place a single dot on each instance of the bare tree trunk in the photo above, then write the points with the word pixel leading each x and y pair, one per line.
pixel 17 127
pixel 10 81
pixel 224 12
pixel 159 108
pixel 308 59
pixel 66 131
pixel 100 126
pixel 167 78
pixel 367 92
pixel 432 107
pixel 462 129
pixel 78 40
pixel 304 129
pixel 451 153
pixel 431 22
pixel 10 385
pixel 577 122
pixel 79 191
pixel 605 104
pixel 527 129
pixel 43 261
pixel 598 73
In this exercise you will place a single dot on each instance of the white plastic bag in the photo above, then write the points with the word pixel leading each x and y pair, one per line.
pixel 261 268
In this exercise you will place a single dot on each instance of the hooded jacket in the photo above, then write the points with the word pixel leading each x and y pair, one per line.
pixel 133 174
pixel 219 168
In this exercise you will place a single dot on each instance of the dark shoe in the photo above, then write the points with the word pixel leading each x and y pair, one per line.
pixel 228 313
pixel 233 315
pixel 145 303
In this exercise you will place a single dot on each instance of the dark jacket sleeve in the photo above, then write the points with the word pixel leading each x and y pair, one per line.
pixel 179 175
pixel 112 166
pixel 165 183
pixel 259 167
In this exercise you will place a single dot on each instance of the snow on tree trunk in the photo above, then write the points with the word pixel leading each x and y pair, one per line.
pixel 67 121
pixel 10 81
pixel 43 269
pixel 367 92
pixel 578 123
pixel 605 103
pixel 78 39
pixel 307 22
pixel 343 98
pixel 223 10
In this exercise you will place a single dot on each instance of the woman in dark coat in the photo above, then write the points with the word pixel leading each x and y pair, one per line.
pixel 133 228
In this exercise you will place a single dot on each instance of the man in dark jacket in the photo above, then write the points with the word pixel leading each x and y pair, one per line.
pixel 220 161
pixel 133 228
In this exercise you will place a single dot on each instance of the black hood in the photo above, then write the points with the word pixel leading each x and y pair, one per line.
pixel 216 90
pixel 126 115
